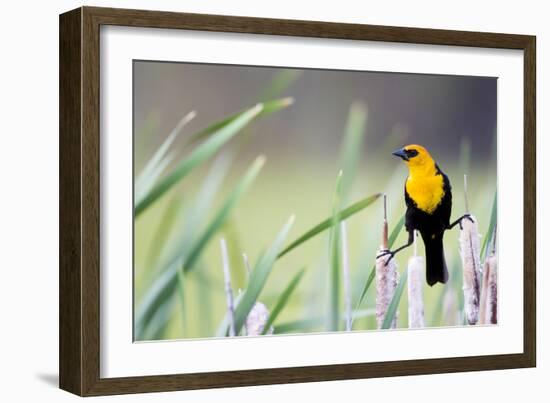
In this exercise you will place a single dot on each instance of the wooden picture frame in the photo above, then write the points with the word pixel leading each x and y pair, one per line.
pixel 79 348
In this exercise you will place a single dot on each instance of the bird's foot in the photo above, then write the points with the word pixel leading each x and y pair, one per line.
pixel 385 253
pixel 465 216
pixel 459 221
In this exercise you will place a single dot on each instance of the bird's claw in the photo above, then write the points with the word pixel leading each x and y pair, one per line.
pixel 468 216
pixel 385 253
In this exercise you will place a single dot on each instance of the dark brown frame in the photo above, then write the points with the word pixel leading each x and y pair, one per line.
pixel 79 201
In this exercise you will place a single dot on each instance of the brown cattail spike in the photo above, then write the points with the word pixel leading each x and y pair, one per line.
pixel 491 314
pixel 386 277
pixel 471 264
pixel 471 267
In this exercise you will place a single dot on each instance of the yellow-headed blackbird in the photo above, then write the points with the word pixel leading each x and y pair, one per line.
pixel 429 201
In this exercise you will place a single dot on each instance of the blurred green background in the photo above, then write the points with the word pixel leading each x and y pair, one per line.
pixel 453 116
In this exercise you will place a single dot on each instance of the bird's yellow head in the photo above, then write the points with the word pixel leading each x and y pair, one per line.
pixel 418 160
pixel 415 156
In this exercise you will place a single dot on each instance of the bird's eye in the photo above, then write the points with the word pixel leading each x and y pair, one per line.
pixel 412 153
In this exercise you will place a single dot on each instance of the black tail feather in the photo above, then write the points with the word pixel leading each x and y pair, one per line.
pixel 436 268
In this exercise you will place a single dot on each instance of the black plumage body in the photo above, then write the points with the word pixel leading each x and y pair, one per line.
pixel 432 226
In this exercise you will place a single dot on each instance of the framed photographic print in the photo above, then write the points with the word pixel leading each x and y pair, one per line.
pixel 249 201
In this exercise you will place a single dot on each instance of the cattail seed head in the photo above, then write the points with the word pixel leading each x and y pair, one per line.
pixel 386 283
pixel 471 268
pixel 256 320
pixel 491 265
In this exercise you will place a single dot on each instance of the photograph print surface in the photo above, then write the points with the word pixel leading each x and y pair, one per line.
pixel 274 201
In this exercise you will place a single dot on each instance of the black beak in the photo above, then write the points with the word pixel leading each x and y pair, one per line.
pixel 401 153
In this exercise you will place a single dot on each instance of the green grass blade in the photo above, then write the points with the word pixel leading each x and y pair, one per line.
pixel 142 138
pixel 491 229
pixel 334 259
pixel 258 278
pixel 164 286
pixel 146 182
pixel 326 224
pixel 392 308
pixel 283 299
pixel 391 240
pixel 269 107
pixel 239 273
pixel 151 172
pixel 204 151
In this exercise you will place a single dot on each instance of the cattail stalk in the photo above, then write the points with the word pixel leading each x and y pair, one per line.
pixel 228 290
pixel 471 266
pixel 386 278
pixel 415 279
pixel 345 274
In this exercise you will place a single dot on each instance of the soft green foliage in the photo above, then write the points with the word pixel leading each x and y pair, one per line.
pixel 283 300
pixel 349 161
pixel 215 137
pixel 159 161
pixel 258 278
pixel 200 154
pixel 163 288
